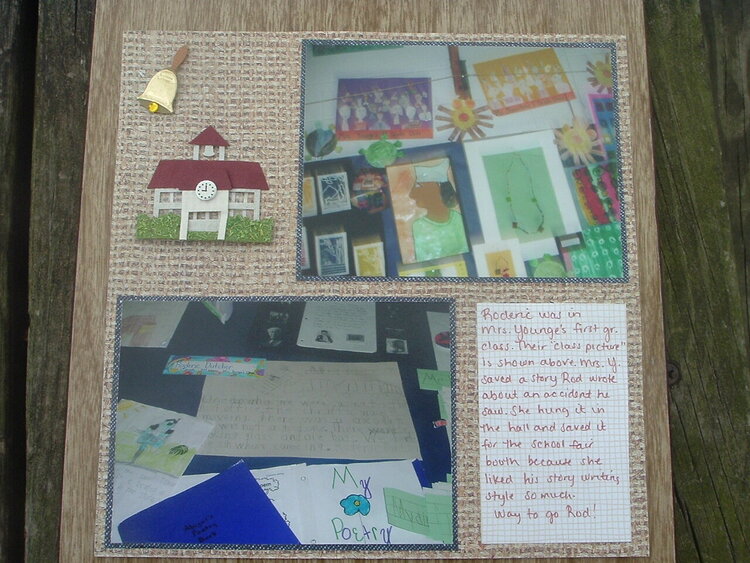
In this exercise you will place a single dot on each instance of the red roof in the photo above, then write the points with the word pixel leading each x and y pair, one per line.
pixel 209 136
pixel 226 174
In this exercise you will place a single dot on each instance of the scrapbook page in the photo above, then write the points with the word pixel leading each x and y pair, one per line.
pixel 373 295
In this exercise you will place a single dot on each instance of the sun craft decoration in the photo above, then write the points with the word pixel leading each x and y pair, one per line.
pixel 601 76
pixel 579 142
pixel 464 118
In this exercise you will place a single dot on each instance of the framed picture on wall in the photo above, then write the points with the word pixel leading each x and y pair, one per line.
pixel 309 202
pixel 304 257
pixel 332 254
pixel 333 191
pixel 369 259
pixel 524 81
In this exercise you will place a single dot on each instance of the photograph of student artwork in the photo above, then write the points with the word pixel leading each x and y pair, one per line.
pixel 259 423
pixel 484 161
pixel 440 232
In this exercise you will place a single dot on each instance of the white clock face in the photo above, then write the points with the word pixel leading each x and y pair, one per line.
pixel 205 190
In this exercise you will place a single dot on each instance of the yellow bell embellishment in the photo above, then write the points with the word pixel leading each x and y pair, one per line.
pixel 159 95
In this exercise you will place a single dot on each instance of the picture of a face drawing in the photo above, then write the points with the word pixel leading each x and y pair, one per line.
pixel 500 264
pixel 439 232
pixel 429 223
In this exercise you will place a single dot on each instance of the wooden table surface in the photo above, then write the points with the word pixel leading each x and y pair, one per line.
pixel 698 82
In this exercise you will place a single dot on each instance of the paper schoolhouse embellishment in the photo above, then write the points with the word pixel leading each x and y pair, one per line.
pixel 207 198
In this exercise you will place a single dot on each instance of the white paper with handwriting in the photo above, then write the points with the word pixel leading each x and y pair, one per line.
pixel 339 325
pixel 136 488
pixel 337 489
pixel 328 410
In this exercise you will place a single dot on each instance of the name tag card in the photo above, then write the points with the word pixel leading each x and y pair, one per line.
pixel 215 365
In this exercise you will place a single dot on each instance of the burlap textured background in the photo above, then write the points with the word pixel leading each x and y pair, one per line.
pixel 247 85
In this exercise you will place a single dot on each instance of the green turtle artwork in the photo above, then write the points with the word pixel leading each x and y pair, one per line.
pixel 382 153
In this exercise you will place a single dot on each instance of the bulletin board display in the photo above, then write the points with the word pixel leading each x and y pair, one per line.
pixel 374 295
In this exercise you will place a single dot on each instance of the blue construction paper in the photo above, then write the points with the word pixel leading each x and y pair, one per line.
pixel 421 474
pixel 230 508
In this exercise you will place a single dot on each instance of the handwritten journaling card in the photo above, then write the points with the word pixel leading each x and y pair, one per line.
pixel 553 423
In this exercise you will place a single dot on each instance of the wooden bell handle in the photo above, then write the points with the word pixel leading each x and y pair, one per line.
pixel 179 57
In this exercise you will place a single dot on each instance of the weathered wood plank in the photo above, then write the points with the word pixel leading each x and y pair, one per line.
pixel 62 65
pixel 16 82
pixel 706 334
pixel 726 25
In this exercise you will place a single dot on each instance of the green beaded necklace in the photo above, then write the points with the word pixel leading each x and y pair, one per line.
pixel 516 225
